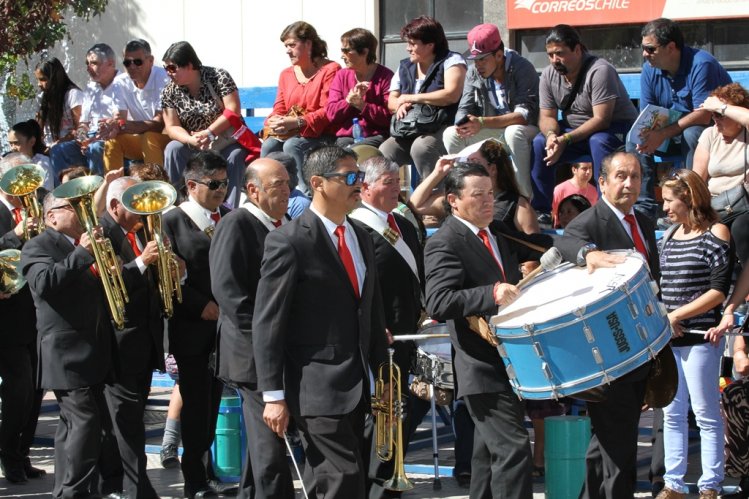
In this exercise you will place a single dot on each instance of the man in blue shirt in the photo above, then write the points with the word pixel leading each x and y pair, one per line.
pixel 675 77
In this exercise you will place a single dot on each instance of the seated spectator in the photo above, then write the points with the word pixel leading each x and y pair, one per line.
pixel 73 172
pixel 569 208
pixel 721 154
pixel 430 61
pixel 595 108
pixel 679 78
pixel 500 100
pixel 298 202
pixel 192 107
pixel 578 184
pixel 148 171
pixel 360 90
pixel 26 137
pixel 298 122
pixel 138 136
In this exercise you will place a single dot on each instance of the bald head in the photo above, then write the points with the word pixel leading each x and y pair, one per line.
pixel 267 186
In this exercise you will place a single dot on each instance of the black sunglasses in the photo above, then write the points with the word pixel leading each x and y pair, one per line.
pixel 128 62
pixel 347 50
pixel 650 49
pixel 351 178
pixel 214 185
pixel 170 68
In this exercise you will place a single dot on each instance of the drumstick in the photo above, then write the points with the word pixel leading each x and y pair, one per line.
pixel 734 332
pixel 549 261
pixel 417 337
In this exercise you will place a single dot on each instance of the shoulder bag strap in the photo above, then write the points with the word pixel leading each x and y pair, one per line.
pixel 567 103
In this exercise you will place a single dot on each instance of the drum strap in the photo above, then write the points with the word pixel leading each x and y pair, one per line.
pixel 196 214
pixel 381 226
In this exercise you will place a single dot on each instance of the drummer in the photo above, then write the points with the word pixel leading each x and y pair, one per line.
pixel 400 270
pixel 613 225
pixel 470 270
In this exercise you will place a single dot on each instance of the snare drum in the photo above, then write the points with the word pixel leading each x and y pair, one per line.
pixel 570 331
pixel 433 361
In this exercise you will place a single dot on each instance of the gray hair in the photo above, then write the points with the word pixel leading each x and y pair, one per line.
pixel 50 201
pixel 102 51
pixel 117 187
pixel 11 160
pixel 376 166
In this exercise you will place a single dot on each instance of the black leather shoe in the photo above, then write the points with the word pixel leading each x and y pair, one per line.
pixel 31 471
pixel 169 457
pixel 199 491
pixel 225 489
pixel 464 479
pixel 15 475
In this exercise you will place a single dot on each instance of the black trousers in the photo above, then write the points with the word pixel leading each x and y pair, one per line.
pixel 266 473
pixel 201 396
pixel 501 464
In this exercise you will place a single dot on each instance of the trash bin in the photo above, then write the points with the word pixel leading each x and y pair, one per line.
pixel 567 439
pixel 230 440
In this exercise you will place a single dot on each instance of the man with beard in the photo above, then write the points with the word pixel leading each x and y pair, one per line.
pixel 595 108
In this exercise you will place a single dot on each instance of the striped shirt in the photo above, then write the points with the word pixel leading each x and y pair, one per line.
pixel 689 269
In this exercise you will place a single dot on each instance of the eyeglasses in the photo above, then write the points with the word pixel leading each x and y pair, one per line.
pixel 214 185
pixel 170 68
pixel 347 50
pixel 351 178
pixel 650 49
pixel 128 62
pixel 61 207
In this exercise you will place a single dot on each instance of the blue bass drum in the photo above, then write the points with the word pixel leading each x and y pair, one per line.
pixel 570 331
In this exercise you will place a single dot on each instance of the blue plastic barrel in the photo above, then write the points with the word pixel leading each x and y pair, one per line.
pixel 229 443
pixel 567 439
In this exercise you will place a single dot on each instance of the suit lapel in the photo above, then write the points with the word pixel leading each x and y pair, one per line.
pixel 318 233
pixel 474 244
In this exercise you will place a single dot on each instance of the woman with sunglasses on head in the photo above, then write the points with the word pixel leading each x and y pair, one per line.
pixel 722 157
pixel 696 258
pixel 360 91
pixel 194 104
pixel 298 122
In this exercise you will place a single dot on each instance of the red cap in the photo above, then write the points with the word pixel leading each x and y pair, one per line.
pixel 483 40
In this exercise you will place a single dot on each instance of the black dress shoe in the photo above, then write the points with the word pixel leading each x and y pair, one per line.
pixel 169 457
pixel 31 471
pixel 464 479
pixel 225 489
pixel 199 491
pixel 15 475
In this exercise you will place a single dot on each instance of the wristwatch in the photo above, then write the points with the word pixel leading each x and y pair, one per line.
pixel 211 135
pixel 722 109
pixel 584 253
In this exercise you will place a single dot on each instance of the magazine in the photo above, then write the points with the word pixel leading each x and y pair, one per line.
pixel 652 118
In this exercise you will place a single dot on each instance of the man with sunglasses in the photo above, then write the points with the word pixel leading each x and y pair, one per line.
pixel 318 321
pixel 192 328
pixel 138 134
pixel 675 77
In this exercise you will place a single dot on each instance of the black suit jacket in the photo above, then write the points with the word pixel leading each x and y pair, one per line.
pixel 460 278
pixel 235 257
pixel 75 331
pixel 188 333
pixel 401 289
pixel 19 315
pixel 313 337
pixel 144 327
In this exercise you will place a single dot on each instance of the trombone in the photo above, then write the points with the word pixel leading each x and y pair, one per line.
pixel 389 422
pixel 151 199
pixel 80 193
pixel 11 280
pixel 22 181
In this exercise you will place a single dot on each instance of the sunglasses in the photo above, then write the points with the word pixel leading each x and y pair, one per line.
pixel 61 207
pixel 347 50
pixel 128 62
pixel 717 116
pixel 214 185
pixel 170 68
pixel 351 178
pixel 650 49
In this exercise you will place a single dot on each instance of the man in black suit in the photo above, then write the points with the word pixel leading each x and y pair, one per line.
pixel 75 342
pixel 319 324
pixel 400 270
pixel 139 346
pixel 192 328
pixel 21 399
pixel 235 257
pixel 466 278
pixel 612 455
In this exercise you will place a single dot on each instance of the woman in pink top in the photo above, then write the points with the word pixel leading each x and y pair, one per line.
pixel 578 184
pixel 360 90
pixel 305 86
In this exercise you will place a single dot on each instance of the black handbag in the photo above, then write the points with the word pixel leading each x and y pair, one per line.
pixel 421 119
pixel 734 201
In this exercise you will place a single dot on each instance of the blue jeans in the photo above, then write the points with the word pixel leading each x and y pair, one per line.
pixel 597 146
pixel 66 154
pixel 698 369
pixel 297 147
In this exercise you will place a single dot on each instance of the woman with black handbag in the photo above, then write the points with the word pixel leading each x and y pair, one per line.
pixel 424 96
pixel 721 160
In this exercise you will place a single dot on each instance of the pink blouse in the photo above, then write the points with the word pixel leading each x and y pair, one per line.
pixel 374 118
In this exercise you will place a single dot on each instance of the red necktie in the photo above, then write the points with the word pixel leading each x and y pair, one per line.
pixel 393 225
pixel 484 236
pixel 346 258
pixel 639 245
pixel 133 243
pixel 215 217
pixel 17 216
pixel 92 268
pixel 277 223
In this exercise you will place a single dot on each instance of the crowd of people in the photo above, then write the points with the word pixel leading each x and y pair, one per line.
pixel 300 261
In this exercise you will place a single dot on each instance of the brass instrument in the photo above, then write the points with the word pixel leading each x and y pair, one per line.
pixel 151 199
pixel 389 422
pixel 11 280
pixel 80 193
pixel 22 181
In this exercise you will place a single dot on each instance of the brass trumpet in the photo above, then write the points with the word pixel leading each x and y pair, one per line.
pixel 151 199
pixel 389 422
pixel 11 280
pixel 80 193
pixel 22 181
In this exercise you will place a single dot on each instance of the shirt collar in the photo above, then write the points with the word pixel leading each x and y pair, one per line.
pixel 261 215
pixel 471 227
pixel 620 215
pixel 330 225
pixel 207 212
pixel 382 214
pixel 7 204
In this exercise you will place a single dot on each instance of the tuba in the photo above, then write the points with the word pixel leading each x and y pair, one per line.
pixel 80 193
pixel 22 181
pixel 11 280
pixel 151 199
pixel 389 422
